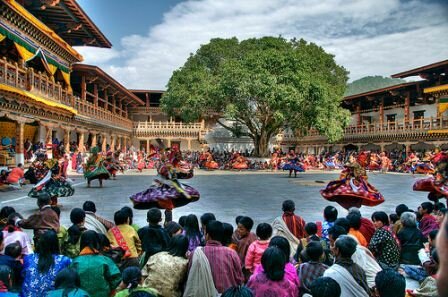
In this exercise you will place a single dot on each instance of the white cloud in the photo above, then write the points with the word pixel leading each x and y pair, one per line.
pixel 368 37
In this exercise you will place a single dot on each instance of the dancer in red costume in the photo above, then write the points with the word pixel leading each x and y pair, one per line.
pixel 436 185
pixel 210 163
pixel 352 189
pixel 239 162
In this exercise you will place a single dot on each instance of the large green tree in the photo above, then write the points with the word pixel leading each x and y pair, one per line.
pixel 264 85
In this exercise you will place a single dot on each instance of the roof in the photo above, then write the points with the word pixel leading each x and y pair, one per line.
pixel 69 21
pixel 147 91
pixel 107 79
pixel 434 67
pixel 383 90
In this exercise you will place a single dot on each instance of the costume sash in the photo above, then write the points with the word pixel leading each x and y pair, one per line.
pixel 121 241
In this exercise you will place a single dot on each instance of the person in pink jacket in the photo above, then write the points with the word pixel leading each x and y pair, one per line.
pixel 257 248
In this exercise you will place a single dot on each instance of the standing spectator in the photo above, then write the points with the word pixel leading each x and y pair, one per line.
pixel 166 271
pixel 40 269
pixel 428 221
pixel 124 235
pixel 272 282
pixel 382 244
pixel 98 274
pixel 350 276
pixel 67 284
pixel 192 232
pixel 43 220
pixel 411 239
pixel 257 248
pixel 153 237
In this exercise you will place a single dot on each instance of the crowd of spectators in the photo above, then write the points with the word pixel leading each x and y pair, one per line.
pixel 342 255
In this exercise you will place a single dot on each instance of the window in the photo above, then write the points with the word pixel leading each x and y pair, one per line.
pixel 420 114
pixel 391 117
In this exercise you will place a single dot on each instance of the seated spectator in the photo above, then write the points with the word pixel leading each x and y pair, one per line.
pixel 227 235
pixel 399 210
pixel 131 284
pixel 12 258
pixel 441 215
pixel 243 237
pixel 6 277
pixel 166 271
pixel 324 287
pixel 12 234
pixel 130 215
pixel 98 274
pixel 257 248
pixel 239 291
pixel 153 237
pixel 383 245
pixel 16 176
pixel 411 239
pixel 330 215
pixel 367 228
pixel 272 282
pixel 389 283
pixel 290 270
pixel 289 225
pixel 349 275
pixel 313 269
pixel 40 269
pixel 205 219
pixel 173 229
pixel 429 285
pixel 311 232
pixel 71 245
pixel 4 177
pixel 5 212
pixel 93 221
pixel 224 263
pixel 182 221
pixel 354 220
pixel 192 232
pixel 125 236
pixel 442 246
pixel 67 284
pixel 428 221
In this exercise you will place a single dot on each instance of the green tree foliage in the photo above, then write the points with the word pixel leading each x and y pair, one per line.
pixel 370 83
pixel 263 84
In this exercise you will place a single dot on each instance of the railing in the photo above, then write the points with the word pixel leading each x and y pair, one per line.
pixel 169 129
pixel 395 128
pixel 158 110
pixel 89 109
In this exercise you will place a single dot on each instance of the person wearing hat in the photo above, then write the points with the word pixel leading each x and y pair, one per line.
pixel 94 168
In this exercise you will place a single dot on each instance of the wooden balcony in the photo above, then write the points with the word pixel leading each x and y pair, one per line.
pixel 169 129
pixel 419 129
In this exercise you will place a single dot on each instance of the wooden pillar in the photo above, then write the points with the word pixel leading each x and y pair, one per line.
pixel 358 114
pixel 381 113
pixel 20 150
pixel 168 142
pixel 67 139
pixel 119 143
pixel 147 145
pixel 106 100
pixel 95 93
pixel 114 104
pixel 81 141
pixel 407 103
pixel 189 144
pixel 112 143
pixel 49 141
pixel 104 143
pixel 94 140
pixel 83 88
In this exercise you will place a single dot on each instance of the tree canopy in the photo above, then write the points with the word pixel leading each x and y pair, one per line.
pixel 266 85
pixel 370 83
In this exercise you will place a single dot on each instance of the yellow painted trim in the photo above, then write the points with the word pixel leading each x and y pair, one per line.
pixel 441 131
pixel 37 98
pixel 435 89
pixel 36 22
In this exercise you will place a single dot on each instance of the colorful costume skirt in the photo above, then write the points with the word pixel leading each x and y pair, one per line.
pixel 240 165
pixel 211 165
pixel 293 167
pixel 352 193
pixel 165 196
pixel 423 168
pixel 436 189
pixel 99 172
pixel 54 187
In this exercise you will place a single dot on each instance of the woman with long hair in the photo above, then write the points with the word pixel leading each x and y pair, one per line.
pixel 192 232
pixel 98 274
pixel 67 284
pixel 40 269
pixel 272 282
pixel 166 271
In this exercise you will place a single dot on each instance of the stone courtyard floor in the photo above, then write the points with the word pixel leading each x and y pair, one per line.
pixel 227 194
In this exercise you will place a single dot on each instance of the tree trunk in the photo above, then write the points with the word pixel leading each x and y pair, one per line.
pixel 261 144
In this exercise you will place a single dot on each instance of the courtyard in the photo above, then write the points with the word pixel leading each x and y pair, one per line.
pixel 227 194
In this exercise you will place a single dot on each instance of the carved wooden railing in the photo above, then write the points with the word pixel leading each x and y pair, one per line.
pixel 171 129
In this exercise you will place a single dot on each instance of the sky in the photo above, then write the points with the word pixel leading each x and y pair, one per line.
pixel 152 38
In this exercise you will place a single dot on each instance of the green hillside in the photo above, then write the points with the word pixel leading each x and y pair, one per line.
pixel 370 83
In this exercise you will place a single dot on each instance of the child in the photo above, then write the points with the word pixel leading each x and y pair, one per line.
pixel 310 230
pixel 11 258
pixel 6 279
pixel 330 215
pixel 309 271
pixel 71 244
pixel 257 248
pixel 132 280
